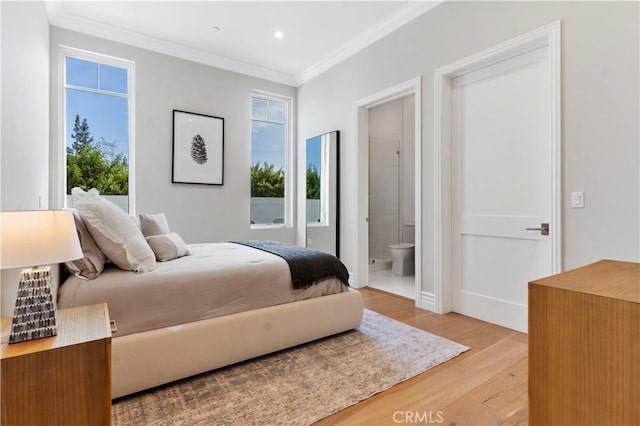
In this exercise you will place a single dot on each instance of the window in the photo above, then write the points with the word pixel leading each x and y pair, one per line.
pixel 98 136
pixel 270 159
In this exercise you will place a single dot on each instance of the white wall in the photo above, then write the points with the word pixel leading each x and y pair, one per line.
pixel 199 213
pixel 24 122
pixel 25 106
pixel 600 45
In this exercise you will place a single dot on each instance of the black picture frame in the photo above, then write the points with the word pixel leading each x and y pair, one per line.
pixel 198 148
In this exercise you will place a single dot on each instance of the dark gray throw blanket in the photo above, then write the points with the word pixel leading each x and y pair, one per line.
pixel 307 266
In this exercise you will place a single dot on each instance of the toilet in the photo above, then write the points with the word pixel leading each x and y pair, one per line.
pixel 402 258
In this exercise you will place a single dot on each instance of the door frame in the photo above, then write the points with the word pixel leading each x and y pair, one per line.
pixel 549 37
pixel 361 115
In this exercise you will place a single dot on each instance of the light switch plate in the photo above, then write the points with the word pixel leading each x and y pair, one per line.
pixel 577 200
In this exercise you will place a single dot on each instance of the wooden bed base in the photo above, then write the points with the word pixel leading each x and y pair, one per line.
pixel 144 360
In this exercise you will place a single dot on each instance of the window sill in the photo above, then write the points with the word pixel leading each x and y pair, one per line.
pixel 270 226
pixel 317 225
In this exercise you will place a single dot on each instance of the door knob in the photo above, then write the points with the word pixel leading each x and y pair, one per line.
pixel 544 229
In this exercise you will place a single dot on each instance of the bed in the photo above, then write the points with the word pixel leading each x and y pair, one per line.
pixel 187 309
pixel 223 303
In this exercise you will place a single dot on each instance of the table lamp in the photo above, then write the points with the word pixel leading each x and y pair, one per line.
pixel 29 239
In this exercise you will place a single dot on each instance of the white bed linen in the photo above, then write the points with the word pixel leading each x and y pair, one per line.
pixel 217 279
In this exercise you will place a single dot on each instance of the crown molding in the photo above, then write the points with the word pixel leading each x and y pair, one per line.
pixel 367 38
pixel 59 18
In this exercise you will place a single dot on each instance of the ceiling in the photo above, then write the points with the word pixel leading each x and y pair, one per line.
pixel 239 35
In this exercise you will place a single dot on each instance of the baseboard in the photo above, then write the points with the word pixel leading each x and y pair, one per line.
pixel 351 280
pixel 427 301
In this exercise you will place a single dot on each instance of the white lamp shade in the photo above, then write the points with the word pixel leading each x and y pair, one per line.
pixel 38 237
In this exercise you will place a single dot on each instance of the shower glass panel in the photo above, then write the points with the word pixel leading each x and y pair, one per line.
pixel 384 208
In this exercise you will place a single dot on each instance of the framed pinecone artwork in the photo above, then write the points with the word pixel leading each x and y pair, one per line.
pixel 198 148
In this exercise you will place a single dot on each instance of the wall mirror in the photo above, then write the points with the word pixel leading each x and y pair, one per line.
pixel 322 186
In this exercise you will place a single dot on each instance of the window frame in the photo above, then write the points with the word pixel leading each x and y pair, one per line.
pixel 289 172
pixel 85 55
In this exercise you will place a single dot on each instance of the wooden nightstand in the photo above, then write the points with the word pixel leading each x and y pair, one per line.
pixel 60 380
pixel 584 346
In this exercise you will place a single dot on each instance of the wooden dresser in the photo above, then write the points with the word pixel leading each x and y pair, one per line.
pixel 584 346
pixel 60 380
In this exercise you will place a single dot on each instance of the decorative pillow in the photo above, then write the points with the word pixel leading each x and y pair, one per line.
pixel 92 264
pixel 153 224
pixel 167 246
pixel 114 232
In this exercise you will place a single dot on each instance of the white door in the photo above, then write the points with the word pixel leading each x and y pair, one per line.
pixel 501 185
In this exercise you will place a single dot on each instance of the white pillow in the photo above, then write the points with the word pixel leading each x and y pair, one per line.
pixel 168 246
pixel 153 224
pixel 114 232
pixel 92 263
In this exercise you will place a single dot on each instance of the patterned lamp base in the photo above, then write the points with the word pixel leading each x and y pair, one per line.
pixel 34 316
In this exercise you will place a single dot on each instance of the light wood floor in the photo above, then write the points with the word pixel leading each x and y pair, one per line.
pixel 486 385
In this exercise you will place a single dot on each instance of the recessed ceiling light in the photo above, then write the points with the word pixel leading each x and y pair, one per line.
pixel 278 34
pixel 216 28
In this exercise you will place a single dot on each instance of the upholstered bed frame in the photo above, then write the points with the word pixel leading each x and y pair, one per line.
pixel 144 360
pixel 232 301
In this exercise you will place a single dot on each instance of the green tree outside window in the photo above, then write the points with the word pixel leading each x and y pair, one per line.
pixel 88 167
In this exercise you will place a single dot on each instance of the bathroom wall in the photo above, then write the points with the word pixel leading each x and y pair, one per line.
pixel 391 175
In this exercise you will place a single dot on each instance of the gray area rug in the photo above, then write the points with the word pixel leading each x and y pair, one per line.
pixel 296 386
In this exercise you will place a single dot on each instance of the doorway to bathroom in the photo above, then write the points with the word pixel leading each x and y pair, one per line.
pixel 365 268
pixel 392 196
